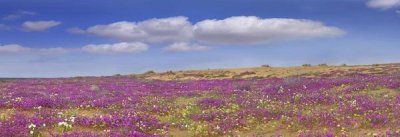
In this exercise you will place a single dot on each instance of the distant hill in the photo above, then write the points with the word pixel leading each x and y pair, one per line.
pixel 266 71
pixel 10 79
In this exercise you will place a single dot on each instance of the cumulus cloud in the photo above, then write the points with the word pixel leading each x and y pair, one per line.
pixel 383 4
pixel 252 30
pixel 184 47
pixel 57 50
pixel 18 15
pixel 124 47
pixel 76 30
pixel 233 30
pixel 16 48
pixel 39 25
pixel 13 48
pixel 150 31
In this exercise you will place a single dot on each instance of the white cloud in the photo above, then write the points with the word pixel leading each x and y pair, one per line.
pixel 4 27
pixel 39 25
pixel 76 30
pixel 184 47
pixel 233 30
pixel 57 50
pixel 133 47
pixel 124 47
pixel 383 4
pixel 18 15
pixel 31 13
pixel 252 30
pixel 150 31
pixel 13 48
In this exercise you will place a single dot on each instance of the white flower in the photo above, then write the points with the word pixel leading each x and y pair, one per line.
pixel 31 132
pixel 72 119
pixel 65 125
pixel 32 126
pixel 353 103
pixel 386 96
pixel 62 123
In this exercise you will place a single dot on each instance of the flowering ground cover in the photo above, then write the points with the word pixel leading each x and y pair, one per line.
pixel 352 102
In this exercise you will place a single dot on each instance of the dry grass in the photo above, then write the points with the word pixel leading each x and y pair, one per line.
pixel 265 72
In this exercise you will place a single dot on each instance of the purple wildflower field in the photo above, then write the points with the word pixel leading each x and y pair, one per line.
pixel 334 103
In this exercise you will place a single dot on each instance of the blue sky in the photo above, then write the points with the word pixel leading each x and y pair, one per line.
pixel 47 38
